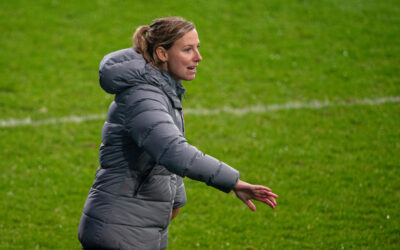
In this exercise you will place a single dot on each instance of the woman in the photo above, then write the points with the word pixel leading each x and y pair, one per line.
pixel 138 188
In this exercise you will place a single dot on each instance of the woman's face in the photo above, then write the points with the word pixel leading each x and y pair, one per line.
pixel 184 57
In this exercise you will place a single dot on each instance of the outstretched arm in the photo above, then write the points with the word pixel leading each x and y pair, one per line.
pixel 152 128
pixel 247 192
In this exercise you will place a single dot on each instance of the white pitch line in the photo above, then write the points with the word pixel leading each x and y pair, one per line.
pixel 67 119
pixel 292 105
pixel 201 111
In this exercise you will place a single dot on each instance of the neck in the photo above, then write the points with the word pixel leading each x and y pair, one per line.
pixel 164 67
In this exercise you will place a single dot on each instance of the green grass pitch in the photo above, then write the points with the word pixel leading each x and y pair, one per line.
pixel 336 168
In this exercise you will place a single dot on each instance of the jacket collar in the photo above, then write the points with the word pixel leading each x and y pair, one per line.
pixel 172 88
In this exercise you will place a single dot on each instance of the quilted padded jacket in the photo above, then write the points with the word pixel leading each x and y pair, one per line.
pixel 143 157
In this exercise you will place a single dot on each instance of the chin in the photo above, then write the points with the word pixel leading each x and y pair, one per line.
pixel 189 78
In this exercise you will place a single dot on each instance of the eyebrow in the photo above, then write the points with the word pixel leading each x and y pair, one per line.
pixel 191 45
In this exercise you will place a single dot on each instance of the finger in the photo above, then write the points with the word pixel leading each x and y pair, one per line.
pixel 265 191
pixel 259 187
pixel 273 195
pixel 272 200
pixel 261 193
pixel 250 205
pixel 269 203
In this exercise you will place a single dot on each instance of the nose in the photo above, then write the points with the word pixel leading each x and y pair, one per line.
pixel 198 57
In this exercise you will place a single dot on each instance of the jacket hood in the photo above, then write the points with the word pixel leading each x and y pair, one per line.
pixel 121 69
pixel 125 68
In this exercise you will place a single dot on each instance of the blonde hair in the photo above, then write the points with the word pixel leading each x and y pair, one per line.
pixel 162 32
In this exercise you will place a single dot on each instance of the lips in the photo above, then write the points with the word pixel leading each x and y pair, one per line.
pixel 192 69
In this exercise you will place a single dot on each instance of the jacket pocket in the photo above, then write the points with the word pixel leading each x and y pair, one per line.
pixel 141 181
pixel 157 186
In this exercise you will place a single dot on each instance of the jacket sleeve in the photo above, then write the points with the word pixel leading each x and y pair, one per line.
pixel 180 197
pixel 152 127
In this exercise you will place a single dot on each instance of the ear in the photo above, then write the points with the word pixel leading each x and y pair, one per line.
pixel 162 54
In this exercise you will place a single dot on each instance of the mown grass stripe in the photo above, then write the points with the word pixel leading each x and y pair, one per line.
pixel 202 111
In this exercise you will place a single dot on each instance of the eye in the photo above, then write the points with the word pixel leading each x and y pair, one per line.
pixel 187 49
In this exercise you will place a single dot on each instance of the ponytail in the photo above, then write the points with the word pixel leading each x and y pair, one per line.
pixel 140 41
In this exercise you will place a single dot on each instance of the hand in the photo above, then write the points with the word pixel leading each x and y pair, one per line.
pixel 175 213
pixel 247 192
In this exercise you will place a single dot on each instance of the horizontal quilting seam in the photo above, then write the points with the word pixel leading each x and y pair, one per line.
pixel 114 61
pixel 212 177
pixel 190 163
pixel 137 102
pixel 150 129
pixel 165 150
pixel 129 197
pixel 149 110
pixel 117 224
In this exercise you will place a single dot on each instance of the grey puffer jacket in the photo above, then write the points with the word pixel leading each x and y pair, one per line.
pixel 143 157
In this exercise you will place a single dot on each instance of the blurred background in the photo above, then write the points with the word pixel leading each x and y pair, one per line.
pixel 311 91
